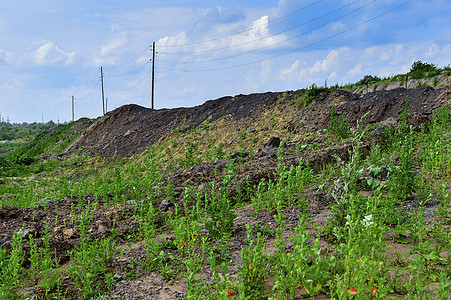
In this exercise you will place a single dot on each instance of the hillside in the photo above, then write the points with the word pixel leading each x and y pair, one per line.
pixel 317 193
pixel 131 129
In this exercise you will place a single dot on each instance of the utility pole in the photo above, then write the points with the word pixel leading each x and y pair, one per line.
pixel 103 95
pixel 153 73
pixel 106 104
pixel 73 115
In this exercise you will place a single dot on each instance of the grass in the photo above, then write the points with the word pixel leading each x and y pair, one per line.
pixel 369 211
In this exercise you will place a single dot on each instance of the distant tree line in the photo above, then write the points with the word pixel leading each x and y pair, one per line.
pixel 14 131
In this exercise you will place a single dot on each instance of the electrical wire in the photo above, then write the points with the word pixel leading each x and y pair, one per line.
pixel 270 36
pixel 126 62
pixel 244 31
pixel 129 75
pixel 272 45
pixel 136 83
pixel 291 51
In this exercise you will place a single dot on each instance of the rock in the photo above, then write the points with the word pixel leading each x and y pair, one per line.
pixel 201 187
pixel 68 233
pixel 58 230
pixel 179 190
pixel 165 205
pixel 117 276
pixel 273 142
pixel 240 154
pixel 24 232
pixel 102 229
pixel 74 242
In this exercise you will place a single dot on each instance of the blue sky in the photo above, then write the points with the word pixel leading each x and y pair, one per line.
pixel 51 50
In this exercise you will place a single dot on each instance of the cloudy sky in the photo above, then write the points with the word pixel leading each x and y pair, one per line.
pixel 51 50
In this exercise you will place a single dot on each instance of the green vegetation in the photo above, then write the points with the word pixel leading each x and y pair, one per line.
pixel 304 99
pixel 418 70
pixel 16 131
pixel 378 208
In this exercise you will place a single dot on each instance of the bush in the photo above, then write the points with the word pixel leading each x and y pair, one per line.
pixel 368 79
pixel 421 69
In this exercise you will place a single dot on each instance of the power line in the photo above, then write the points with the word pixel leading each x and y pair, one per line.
pixel 240 32
pixel 129 75
pixel 126 62
pixel 295 50
pixel 272 45
pixel 148 73
pixel 270 36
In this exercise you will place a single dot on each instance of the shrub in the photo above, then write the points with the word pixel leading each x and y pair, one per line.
pixel 368 79
pixel 421 69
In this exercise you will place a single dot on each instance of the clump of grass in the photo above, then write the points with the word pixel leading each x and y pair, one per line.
pixel 309 94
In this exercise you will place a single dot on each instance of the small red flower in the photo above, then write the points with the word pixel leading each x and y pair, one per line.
pixel 374 290
pixel 353 292
pixel 250 267
pixel 230 293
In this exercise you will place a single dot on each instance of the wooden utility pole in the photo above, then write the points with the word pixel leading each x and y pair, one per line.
pixel 103 95
pixel 153 74
pixel 106 104
pixel 73 115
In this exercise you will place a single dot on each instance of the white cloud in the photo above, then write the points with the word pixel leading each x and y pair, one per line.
pixel 257 36
pixel 432 51
pixel 392 53
pixel 265 71
pixel 113 47
pixel 292 69
pixel 177 40
pixel 5 56
pixel 49 53
pixel 328 63
pixel 357 70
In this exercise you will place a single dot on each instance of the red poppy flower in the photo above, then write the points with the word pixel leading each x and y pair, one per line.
pixel 353 292
pixel 374 290
pixel 250 267
pixel 230 293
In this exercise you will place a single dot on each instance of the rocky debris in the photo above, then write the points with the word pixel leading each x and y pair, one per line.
pixel 273 142
pixel 165 205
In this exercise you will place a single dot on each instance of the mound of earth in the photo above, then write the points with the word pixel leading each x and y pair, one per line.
pixel 132 129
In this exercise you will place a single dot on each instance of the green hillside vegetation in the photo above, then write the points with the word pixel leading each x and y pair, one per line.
pixel 379 203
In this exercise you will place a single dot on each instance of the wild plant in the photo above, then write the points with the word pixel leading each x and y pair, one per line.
pixel 309 95
pixel 186 230
pixel 254 269
pixel 87 261
pixel 364 259
pixel 11 268
pixel 301 270
pixel 402 178
pixel 220 207
pixel 43 268
pixel 339 126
